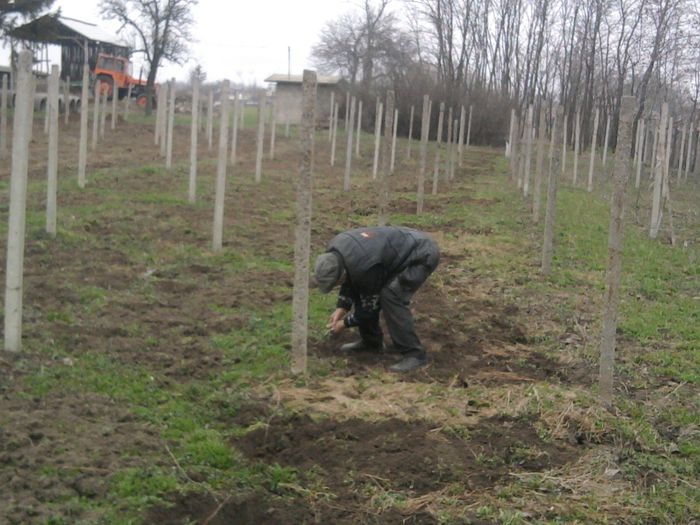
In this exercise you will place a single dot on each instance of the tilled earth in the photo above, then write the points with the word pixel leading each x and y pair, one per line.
pixel 159 311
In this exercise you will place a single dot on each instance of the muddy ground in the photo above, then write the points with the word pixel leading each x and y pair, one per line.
pixel 159 307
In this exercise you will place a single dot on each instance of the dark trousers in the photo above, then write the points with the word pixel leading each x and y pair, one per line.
pixel 394 301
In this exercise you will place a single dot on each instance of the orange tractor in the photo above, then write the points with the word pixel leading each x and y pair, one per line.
pixel 114 71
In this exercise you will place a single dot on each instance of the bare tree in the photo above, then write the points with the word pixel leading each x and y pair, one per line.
pixel 161 27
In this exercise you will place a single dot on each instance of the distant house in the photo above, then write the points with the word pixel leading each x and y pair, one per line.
pixel 288 96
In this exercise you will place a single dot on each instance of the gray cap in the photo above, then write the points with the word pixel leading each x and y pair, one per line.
pixel 328 271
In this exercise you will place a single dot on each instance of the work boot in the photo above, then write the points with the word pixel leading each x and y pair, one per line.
pixel 409 363
pixel 360 346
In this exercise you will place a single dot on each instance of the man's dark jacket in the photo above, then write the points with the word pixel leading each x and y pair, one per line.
pixel 372 258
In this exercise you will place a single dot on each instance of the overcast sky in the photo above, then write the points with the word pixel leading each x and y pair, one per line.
pixel 242 40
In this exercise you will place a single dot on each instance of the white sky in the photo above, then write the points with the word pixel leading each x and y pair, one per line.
pixel 242 40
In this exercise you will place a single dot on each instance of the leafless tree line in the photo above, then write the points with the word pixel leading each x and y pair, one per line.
pixel 502 54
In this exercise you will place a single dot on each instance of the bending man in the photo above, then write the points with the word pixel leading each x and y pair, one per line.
pixel 380 269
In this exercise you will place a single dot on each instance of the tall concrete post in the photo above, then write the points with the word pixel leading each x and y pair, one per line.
pixel 171 126
pixel 334 131
pixel 66 101
pixel 386 161
pixel 680 154
pixel 52 164
pixel 423 154
pixel 607 141
pixel 217 241
pixel 359 129
pixel 194 136
pixel 84 105
pixel 348 149
pixel 615 242
pixel 689 150
pixel 159 111
pixel 469 128
pixel 261 137
pixel 640 154
pixel 564 132
pixel 96 115
pixel 410 132
pixel 331 117
pixel 436 172
pixel 515 149
pixel 273 127
pixel 393 141
pixel 115 98
pixel 377 137
pixel 164 120
pixel 127 103
pixel 347 110
pixel 210 120
pixel 528 151
pixel 103 112
pixel 3 118
pixel 539 164
pixel 302 244
pixel 462 122
pixel 14 275
pixel 551 209
pixel 234 129
pixel 659 169
pixel 453 148
pixel 448 152
pixel 594 138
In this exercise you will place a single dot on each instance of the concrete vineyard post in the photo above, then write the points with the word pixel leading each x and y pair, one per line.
pixel 127 103
pixel 591 166
pixel 3 118
pixel 640 154
pixel 551 208
pixel 410 132
pixel 393 141
pixel 52 164
pixel 194 135
pixel 14 275
pixel 680 153
pixel 234 128
pixel 377 138
pixel 462 122
pixel 577 145
pixel 528 151
pixel 171 126
pixel 302 244
pixel 159 104
pixel 539 164
pixel 82 149
pixel 261 137
pixel 334 132
pixel 164 121
pixel 615 240
pixel 424 131
pixel 436 172
pixel 607 142
pixel 115 98
pixel 509 142
pixel 359 129
pixel 273 127
pixel 66 101
pixel 659 168
pixel 96 116
pixel 386 160
pixel 331 117
pixel 453 148
pixel 515 149
pixel 347 110
pixel 348 149
pixel 103 113
pixel 448 147
pixel 565 130
pixel 688 152
pixel 210 119
pixel 469 128
pixel 217 241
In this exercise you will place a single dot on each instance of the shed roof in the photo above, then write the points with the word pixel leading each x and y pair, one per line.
pixel 283 78
pixel 56 29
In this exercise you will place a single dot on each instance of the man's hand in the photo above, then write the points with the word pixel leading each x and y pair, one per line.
pixel 337 327
pixel 336 323
pixel 336 316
